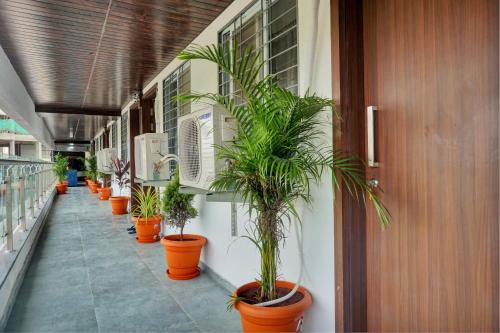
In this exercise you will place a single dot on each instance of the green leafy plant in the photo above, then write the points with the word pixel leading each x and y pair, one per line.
pixel 148 202
pixel 278 153
pixel 120 170
pixel 91 168
pixel 60 167
pixel 178 207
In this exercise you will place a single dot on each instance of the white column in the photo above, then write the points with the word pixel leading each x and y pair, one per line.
pixel 12 147
pixel 38 150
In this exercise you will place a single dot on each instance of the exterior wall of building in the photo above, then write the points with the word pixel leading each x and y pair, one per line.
pixel 28 150
pixel 236 260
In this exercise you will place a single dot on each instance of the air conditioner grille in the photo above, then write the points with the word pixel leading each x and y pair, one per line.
pixel 189 155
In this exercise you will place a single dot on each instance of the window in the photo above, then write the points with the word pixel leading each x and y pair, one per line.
pixel 123 137
pixel 271 28
pixel 113 135
pixel 178 82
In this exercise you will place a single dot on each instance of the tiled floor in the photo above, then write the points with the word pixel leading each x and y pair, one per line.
pixel 88 274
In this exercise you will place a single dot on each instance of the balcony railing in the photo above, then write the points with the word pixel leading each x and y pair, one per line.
pixel 24 185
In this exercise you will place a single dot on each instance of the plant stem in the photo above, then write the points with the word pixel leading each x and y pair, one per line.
pixel 268 262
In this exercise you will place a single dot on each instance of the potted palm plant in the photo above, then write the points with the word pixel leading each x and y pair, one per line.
pixel 119 203
pixel 182 251
pixel 60 168
pixel 278 155
pixel 147 215
pixel 92 173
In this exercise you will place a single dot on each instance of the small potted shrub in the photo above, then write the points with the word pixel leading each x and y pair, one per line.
pixel 104 191
pixel 278 155
pixel 119 204
pixel 92 173
pixel 147 215
pixel 182 250
pixel 60 169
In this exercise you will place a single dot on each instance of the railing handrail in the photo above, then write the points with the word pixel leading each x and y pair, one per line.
pixel 21 160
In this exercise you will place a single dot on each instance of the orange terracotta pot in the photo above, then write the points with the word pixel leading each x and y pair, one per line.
pixel 119 205
pixel 89 182
pixel 61 188
pixel 183 257
pixel 93 187
pixel 148 230
pixel 105 193
pixel 286 318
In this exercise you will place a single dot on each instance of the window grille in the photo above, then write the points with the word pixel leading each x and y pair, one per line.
pixel 177 83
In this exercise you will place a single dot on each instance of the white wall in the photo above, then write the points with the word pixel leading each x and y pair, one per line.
pixel 17 103
pixel 28 150
pixel 236 260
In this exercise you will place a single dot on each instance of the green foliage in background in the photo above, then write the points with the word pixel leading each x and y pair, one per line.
pixel 91 166
pixel 60 167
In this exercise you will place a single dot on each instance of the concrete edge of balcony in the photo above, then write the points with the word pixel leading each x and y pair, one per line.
pixel 17 262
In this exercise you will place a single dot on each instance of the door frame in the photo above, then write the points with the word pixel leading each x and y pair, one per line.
pixel 349 135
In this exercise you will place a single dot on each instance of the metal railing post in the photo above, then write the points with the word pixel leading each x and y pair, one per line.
pixel 38 187
pixel 32 192
pixel 44 185
pixel 22 200
pixel 8 210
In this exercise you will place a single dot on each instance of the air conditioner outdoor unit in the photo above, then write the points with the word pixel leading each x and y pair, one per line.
pixel 149 149
pixel 199 133
pixel 104 157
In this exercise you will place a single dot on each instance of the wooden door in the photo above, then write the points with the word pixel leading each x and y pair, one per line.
pixel 432 69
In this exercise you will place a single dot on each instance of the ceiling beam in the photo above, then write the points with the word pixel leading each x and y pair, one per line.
pixel 76 142
pixel 76 110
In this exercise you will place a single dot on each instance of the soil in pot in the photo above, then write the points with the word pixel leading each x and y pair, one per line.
pixel 148 230
pixel 283 317
pixel 250 296
pixel 105 193
pixel 61 188
pixel 183 256
pixel 119 205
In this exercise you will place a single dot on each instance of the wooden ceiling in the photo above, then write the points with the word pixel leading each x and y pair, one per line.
pixel 94 54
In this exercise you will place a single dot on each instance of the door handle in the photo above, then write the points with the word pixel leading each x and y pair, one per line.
pixel 370 120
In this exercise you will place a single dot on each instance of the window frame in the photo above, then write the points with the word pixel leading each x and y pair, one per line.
pixel 113 134
pixel 169 122
pixel 124 122
pixel 262 8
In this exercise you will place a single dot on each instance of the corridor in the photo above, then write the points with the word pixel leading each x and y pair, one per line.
pixel 87 274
